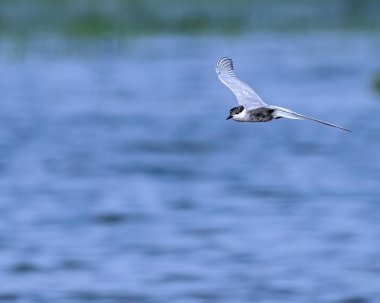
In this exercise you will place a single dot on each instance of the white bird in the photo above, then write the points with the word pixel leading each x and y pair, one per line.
pixel 252 108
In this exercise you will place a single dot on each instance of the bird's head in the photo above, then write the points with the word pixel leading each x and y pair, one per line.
pixel 235 111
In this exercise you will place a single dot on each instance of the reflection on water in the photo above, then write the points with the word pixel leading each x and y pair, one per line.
pixel 121 181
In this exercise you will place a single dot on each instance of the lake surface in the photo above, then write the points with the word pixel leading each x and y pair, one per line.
pixel 121 180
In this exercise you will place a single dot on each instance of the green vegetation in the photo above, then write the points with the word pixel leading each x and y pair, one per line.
pixel 134 17
pixel 376 82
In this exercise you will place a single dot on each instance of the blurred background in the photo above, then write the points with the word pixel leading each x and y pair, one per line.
pixel 121 181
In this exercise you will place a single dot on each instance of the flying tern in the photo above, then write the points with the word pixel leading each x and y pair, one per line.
pixel 251 107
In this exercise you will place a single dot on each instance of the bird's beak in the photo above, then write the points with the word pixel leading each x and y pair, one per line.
pixel 229 117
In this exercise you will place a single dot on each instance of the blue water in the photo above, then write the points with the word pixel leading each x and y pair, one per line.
pixel 121 180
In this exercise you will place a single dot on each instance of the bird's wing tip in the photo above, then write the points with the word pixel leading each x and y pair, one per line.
pixel 224 64
pixel 224 61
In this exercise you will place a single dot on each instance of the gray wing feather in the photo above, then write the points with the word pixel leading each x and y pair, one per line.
pixel 245 95
pixel 286 113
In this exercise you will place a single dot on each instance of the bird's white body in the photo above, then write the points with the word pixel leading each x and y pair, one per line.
pixel 252 108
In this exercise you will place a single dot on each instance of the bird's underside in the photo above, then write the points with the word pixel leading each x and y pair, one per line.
pixel 261 115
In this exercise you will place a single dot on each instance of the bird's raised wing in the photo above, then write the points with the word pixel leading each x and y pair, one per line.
pixel 245 95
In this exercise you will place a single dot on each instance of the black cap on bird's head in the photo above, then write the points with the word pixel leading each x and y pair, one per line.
pixel 235 111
